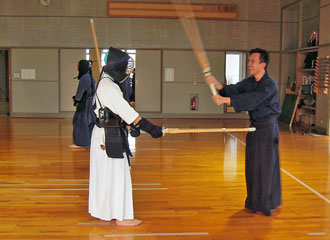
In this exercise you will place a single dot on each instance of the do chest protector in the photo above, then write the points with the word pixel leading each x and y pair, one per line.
pixel 115 133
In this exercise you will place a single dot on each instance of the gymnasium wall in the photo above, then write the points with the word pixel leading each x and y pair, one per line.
pixel 62 29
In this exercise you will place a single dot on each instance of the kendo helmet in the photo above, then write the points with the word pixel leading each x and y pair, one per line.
pixel 84 67
pixel 119 65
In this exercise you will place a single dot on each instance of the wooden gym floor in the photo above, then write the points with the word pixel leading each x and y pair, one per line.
pixel 186 186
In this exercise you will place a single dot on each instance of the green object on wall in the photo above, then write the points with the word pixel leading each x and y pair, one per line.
pixel 288 83
pixel 288 108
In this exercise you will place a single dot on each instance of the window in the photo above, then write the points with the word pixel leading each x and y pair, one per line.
pixel 87 54
pixel 235 67
pixel 130 52
pixel 235 70
pixel 103 53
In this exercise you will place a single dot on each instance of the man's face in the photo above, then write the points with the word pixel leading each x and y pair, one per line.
pixel 254 64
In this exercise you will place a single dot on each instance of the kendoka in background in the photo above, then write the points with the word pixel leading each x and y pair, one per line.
pixel 84 117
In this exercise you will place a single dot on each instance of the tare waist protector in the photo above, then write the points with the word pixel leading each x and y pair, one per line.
pixel 115 133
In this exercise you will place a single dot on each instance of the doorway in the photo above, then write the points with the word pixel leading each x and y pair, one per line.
pixel 235 70
pixel 4 82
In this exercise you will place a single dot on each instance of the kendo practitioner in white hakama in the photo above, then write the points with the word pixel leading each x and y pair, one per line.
pixel 110 187
pixel 257 94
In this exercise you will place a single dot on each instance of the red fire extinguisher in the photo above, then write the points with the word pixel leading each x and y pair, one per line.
pixel 193 103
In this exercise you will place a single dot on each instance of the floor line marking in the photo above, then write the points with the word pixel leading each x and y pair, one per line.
pixel 156 149
pixel 50 196
pixel 67 180
pixel 43 189
pixel 72 180
pixel 150 189
pixel 73 184
pixel 87 224
pixel 146 184
pixel 293 177
pixel 54 136
pixel 237 139
pixel 67 189
pixel 317 234
pixel 64 184
pixel 306 186
pixel 156 234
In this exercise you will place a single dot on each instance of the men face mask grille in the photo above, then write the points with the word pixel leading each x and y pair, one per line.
pixel 119 65
pixel 130 66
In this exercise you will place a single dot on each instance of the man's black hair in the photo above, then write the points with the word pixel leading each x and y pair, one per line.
pixel 264 56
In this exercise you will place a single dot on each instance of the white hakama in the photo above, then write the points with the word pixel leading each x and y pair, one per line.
pixel 110 187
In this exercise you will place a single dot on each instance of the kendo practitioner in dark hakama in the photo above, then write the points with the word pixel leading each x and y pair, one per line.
pixel 84 117
pixel 257 94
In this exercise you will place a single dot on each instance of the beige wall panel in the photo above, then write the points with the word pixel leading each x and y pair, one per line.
pixel 189 80
pixel 39 95
pixel 148 82
pixel 132 33
pixel 291 13
pixel 34 97
pixel 33 30
pixel 243 6
pixel 264 35
pixel 274 66
pixel 324 2
pixel 44 61
pixel 287 2
pixel 311 9
pixel 169 33
pixel 69 59
pixel 97 8
pixel 177 99
pixel 115 32
pixel 49 31
pixel 290 27
pixel 288 69
pixel 231 35
pixel 66 24
pixel 264 10
pixel 71 32
pixel 5 32
pixel 155 32
pixel 290 36
pixel 55 8
pixel 30 31
pixel 186 66
pixel 324 25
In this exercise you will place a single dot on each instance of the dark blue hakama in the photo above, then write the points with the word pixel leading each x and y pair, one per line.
pixel 262 166
pixel 84 119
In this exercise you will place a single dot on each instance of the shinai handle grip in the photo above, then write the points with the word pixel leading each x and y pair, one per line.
pixel 207 71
